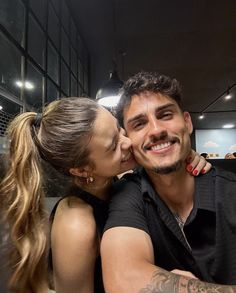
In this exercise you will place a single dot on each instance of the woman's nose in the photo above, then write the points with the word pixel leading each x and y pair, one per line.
pixel 126 142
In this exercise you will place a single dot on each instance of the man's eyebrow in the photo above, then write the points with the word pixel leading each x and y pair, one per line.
pixel 143 114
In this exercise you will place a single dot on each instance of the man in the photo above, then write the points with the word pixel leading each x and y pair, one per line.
pixel 162 219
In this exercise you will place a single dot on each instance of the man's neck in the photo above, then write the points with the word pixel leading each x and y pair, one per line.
pixel 176 190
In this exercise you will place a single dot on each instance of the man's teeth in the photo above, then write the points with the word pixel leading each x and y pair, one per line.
pixel 160 146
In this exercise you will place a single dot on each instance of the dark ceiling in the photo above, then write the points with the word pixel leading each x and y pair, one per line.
pixel 191 40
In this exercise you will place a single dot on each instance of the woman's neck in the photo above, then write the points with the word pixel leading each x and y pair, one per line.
pixel 99 187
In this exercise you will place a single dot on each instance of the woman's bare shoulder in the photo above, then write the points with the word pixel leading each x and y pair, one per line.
pixel 74 218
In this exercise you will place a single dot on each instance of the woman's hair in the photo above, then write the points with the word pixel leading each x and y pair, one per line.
pixel 60 136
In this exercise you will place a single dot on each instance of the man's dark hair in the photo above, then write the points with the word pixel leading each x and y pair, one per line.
pixel 147 81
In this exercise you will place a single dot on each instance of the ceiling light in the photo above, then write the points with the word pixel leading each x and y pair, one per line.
pixel 1 107
pixel 228 126
pixel 19 83
pixel 228 96
pixel 201 116
pixel 29 85
pixel 108 95
pixel 110 101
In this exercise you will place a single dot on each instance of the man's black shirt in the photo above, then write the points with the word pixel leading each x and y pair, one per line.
pixel 207 244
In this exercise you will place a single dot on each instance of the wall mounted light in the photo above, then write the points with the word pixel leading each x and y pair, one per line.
pixel 228 126
pixel 27 84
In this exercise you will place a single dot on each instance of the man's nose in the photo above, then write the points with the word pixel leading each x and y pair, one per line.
pixel 155 127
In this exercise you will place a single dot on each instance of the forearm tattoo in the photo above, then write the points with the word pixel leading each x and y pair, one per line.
pixel 166 282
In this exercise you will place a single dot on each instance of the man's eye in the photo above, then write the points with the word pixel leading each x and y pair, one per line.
pixel 166 115
pixel 138 125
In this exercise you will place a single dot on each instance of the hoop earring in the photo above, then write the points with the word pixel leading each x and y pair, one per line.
pixel 89 179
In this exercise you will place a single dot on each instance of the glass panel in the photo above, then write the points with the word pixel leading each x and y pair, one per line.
pixel 10 66
pixel 56 5
pixel 80 71
pixel 73 61
pixel 53 63
pixel 65 16
pixel 73 33
pixel 52 92
pixel 12 15
pixel 73 90
pixel 80 91
pixel 53 26
pixel 8 110
pixel 33 88
pixel 36 42
pixel 64 78
pixel 86 82
pixel 79 46
pixel 39 9
pixel 65 46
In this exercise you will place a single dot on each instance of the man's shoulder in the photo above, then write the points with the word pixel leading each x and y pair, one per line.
pixel 128 182
pixel 224 175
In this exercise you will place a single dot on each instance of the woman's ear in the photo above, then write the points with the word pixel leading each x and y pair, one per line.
pixel 80 171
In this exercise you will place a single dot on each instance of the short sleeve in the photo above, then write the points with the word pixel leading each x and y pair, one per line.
pixel 127 206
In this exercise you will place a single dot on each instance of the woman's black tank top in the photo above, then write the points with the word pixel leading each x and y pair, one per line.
pixel 100 210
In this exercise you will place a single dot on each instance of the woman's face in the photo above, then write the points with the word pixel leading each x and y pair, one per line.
pixel 109 147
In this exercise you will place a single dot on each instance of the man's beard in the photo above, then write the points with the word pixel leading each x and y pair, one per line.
pixel 169 169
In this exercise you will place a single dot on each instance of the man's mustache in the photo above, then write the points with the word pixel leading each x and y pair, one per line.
pixel 163 137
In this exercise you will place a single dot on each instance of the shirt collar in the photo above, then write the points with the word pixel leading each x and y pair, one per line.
pixel 203 195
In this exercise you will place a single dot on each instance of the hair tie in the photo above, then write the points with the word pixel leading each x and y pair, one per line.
pixel 37 120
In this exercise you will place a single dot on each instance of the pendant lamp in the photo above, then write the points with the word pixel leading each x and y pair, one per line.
pixel 108 95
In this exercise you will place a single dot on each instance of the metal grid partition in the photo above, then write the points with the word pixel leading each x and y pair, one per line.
pixel 45 57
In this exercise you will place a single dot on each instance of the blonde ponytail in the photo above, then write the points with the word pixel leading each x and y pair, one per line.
pixel 23 198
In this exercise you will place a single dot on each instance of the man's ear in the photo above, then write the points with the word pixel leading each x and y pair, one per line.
pixel 80 171
pixel 188 122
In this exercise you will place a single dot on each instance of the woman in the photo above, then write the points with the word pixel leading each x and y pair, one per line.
pixel 84 141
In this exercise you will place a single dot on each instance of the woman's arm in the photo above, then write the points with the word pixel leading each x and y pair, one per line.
pixel 74 245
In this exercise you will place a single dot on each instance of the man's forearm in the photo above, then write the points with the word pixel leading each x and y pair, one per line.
pixel 165 282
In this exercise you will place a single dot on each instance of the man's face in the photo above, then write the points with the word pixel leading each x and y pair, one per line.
pixel 159 132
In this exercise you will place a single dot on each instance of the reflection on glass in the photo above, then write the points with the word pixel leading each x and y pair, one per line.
pixel 73 34
pixel 56 5
pixel 10 66
pixel 65 16
pixel 65 78
pixel 80 46
pixel 33 96
pixel 39 8
pixel 80 72
pixel 53 63
pixel 52 92
pixel 86 82
pixel 53 26
pixel 12 14
pixel 65 46
pixel 80 90
pixel 8 110
pixel 36 42
pixel 73 91
pixel 73 61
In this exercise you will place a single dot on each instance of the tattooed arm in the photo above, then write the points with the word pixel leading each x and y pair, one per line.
pixel 164 281
pixel 128 266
